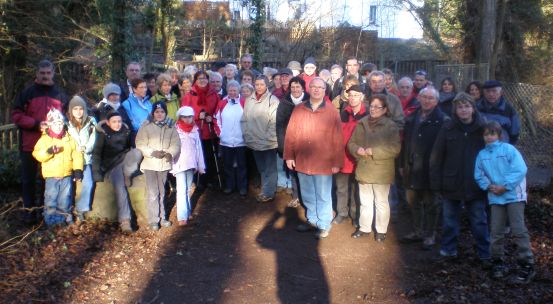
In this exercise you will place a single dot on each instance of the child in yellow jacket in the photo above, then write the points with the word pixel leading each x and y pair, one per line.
pixel 60 160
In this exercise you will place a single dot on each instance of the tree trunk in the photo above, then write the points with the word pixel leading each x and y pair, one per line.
pixel 498 37
pixel 118 47
pixel 487 33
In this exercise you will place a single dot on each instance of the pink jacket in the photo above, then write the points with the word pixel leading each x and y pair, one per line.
pixel 191 155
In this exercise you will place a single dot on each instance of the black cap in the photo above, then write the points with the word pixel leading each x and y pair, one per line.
pixel 159 105
pixel 355 88
pixel 111 114
pixel 284 71
pixel 491 84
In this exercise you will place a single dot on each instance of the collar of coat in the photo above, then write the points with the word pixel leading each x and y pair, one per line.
pixel 347 113
pixel 310 106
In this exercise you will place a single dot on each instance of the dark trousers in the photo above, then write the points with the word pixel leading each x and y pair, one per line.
pixel 236 174
pixel 29 176
pixel 347 198
pixel 209 148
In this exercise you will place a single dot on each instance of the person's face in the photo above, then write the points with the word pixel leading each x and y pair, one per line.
pixel 474 92
pixel 187 119
pixel 247 79
pixel 232 92
pixel 352 66
pixel 246 63
pixel 159 114
pixel 377 84
pixel 355 98
pixel 420 81
pixel 216 83
pixel 335 74
pixel 56 127
pixel 114 97
pixel 317 89
pixel 309 69
pixel 221 71
pixel 174 78
pixel 115 123
pixel 447 86
pixel 132 71
pixel 245 92
pixel 277 81
pixel 295 89
pixel 490 136
pixel 151 84
pixel 428 101
pixel 377 109
pixel 229 73
pixel 185 85
pixel 260 86
pixel 464 112
pixel 165 88
pixel 45 76
pixel 284 80
pixel 492 94
pixel 140 90
pixel 77 112
pixel 388 80
pixel 405 89
pixel 202 81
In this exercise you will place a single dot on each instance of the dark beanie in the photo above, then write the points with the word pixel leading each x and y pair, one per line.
pixel 112 114
pixel 157 105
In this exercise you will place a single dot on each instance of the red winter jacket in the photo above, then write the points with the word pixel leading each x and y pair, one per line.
pixel 409 104
pixel 30 109
pixel 349 121
pixel 209 105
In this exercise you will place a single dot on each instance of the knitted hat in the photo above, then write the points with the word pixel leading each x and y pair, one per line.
pixel 491 84
pixel 77 101
pixel 54 116
pixel 159 105
pixel 185 111
pixel 112 114
pixel 294 65
pixel 111 88
pixel 310 60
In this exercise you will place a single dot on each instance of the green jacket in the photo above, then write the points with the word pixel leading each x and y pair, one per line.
pixel 383 139
pixel 173 104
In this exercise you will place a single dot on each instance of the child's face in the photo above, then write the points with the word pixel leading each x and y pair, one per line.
pixel 115 123
pixel 490 136
pixel 187 119
pixel 56 127
pixel 77 112
pixel 159 114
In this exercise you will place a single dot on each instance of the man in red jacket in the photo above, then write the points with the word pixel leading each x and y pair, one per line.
pixel 314 147
pixel 29 114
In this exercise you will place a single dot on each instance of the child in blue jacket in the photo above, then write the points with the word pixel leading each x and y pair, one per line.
pixel 500 170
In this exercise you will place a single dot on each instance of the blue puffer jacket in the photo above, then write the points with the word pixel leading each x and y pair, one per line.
pixel 501 164
pixel 138 111
pixel 504 113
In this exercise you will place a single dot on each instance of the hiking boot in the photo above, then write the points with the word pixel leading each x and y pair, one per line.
pixel 305 227
pixel 322 234
pixel 125 226
pixel 264 199
pixel 294 203
pixel 166 223
pixel 525 274
pixel 428 243
pixel 498 270
pixel 411 237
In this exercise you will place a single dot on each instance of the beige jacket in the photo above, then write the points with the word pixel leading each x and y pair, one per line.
pixel 152 137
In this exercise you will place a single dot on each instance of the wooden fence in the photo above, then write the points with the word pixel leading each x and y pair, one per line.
pixel 9 137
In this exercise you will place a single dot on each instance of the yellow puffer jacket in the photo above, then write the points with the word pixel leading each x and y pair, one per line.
pixel 61 164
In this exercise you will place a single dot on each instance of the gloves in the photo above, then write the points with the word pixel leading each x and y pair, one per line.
pixel 53 150
pixel 168 157
pixel 78 175
pixel 158 154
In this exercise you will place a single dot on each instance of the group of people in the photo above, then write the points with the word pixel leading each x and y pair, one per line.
pixel 357 139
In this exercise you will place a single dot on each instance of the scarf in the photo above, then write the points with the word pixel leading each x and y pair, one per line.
pixel 54 135
pixel 202 93
pixel 298 100
pixel 186 127
pixel 447 96
pixel 258 96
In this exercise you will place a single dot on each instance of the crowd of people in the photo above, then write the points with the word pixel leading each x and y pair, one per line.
pixel 349 145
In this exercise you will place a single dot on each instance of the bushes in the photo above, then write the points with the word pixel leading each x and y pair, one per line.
pixel 9 169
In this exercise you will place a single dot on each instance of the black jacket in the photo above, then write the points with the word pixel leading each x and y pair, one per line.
pixel 453 159
pixel 110 149
pixel 284 112
pixel 418 140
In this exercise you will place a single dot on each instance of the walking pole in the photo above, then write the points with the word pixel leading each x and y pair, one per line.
pixel 215 155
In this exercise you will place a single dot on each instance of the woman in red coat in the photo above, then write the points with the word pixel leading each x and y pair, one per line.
pixel 204 100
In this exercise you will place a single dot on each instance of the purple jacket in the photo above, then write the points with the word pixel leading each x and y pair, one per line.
pixel 191 155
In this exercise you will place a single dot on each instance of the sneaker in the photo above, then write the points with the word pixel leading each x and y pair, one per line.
pixel 305 227
pixel 428 243
pixel 380 237
pixel 125 226
pixel 338 219
pixel 498 270
pixel 322 234
pixel 154 227
pixel 409 238
pixel 264 199
pixel 183 222
pixel 525 274
pixel 294 203
pixel 165 223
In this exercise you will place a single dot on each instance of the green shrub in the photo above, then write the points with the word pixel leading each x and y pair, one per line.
pixel 9 169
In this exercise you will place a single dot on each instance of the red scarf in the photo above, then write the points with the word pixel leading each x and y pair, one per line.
pixel 186 127
pixel 202 93
pixel 54 135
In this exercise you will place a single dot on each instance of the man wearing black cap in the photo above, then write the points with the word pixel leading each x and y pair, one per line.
pixel 494 106
pixel 281 92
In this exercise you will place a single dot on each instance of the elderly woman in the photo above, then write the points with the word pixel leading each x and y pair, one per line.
pixel 185 84
pixel 231 73
pixel 259 130
pixel 165 94
pixel 375 144
pixel 246 90
pixel 452 175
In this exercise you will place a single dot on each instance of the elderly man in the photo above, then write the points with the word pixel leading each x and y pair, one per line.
pixel 132 71
pixel 29 115
pixel 314 147
pixel 494 106
pixel 421 81
pixel 352 68
pixel 407 97
pixel 284 89
pixel 216 82
pixel 376 85
pixel 421 130
pixel 246 63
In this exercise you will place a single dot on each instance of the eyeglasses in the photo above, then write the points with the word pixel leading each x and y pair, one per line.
pixel 317 87
pixel 376 107
pixel 202 78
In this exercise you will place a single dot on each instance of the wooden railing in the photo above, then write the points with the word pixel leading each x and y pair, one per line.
pixel 9 137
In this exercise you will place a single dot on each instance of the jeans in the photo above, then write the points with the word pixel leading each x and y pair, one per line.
pixel 478 224
pixel 346 195
pixel 115 176
pixel 155 189
pixel 514 212
pixel 236 174
pixel 317 199
pixel 184 205
pixel 266 164
pixel 29 176
pixel 57 201
pixel 374 196
pixel 283 179
pixel 425 210
pixel 87 188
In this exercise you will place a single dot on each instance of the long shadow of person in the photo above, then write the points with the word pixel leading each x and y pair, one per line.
pixel 300 274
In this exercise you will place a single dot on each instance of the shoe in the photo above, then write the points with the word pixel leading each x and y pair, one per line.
pixel 280 189
pixel 358 233
pixel 525 274
pixel 322 234
pixel 128 181
pixel 409 238
pixel 264 199
pixel 243 192
pixel 428 243
pixel 165 223
pixel 444 257
pixel 305 227
pixel 80 217
pixel 338 219
pixel 380 237
pixel 125 226
pixel 486 264
pixel 183 222
pixel 498 270
pixel 154 227
pixel 294 203
pixel 227 191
